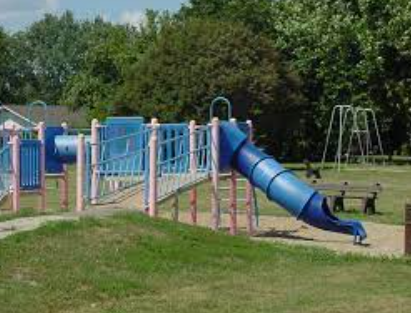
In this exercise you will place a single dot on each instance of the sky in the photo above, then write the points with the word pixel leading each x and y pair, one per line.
pixel 18 14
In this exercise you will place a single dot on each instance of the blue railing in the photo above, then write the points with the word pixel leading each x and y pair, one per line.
pixel 174 155
pixel 124 160
pixel 121 164
pixel 30 165
pixel 5 171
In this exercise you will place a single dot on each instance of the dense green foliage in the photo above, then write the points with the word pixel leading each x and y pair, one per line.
pixel 339 52
pixel 192 62
pixel 4 55
pixel 44 57
pixel 346 52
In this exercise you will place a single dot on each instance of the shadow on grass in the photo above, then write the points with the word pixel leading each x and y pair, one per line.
pixel 285 234
pixel 353 213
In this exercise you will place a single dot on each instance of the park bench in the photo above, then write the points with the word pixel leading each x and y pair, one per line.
pixel 338 192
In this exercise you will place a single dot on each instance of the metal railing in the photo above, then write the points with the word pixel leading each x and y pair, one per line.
pixel 173 159
pixel 121 165
pixel 5 171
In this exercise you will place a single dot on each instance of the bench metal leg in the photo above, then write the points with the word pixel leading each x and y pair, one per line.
pixel 337 203
pixel 368 206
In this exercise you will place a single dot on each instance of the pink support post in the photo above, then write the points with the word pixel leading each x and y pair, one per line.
pixel 64 182
pixel 249 192
pixel 193 170
pixel 233 198
pixel 153 170
pixel 42 139
pixel 94 160
pixel 80 173
pixel 215 172
pixel 15 142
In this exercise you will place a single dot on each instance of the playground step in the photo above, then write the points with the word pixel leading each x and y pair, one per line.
pixel 228 188
pixel 238 200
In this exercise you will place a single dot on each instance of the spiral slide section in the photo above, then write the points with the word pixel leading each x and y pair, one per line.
pixel 281 185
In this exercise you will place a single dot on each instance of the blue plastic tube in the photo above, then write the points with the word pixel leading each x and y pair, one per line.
pixel 281 185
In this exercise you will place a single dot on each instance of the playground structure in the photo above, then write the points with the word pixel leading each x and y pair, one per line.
pixel 161 161
pixel 358 136
pixel 27 160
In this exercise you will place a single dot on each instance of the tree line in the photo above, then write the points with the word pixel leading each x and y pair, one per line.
pixel 283 63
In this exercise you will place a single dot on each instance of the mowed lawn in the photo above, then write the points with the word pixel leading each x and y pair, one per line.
pixel 395 180
pixel 130 263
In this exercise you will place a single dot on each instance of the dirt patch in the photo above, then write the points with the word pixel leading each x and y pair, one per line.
pixel 383 240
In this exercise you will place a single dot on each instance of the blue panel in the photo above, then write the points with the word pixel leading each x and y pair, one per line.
pixel 30 165
pixel 174 145
pixel 53 164
pixel 122 127
pixel 123 137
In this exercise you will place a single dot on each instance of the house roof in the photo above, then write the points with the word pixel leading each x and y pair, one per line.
pixel 56 115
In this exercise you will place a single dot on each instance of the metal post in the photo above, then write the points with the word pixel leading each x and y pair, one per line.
pixel 42 138
pixel 81 158
pixel 327 141
pixel 347 160
pixel 215 172
pixel 340 138
pixel 233 197
pixel 176 207
pixel 64 181
pixel 193 171
pixel 407 239
pixel 153 169
pixel 15 140
pixel 249 191
pixel 377 130
pixel 94 160
pixel 356 130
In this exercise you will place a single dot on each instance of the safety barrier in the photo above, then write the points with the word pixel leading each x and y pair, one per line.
pixel 174 169
pixel 30 165
pixel 5 171
pixel 113 163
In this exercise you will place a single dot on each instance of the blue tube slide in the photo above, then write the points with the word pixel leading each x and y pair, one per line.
pixel 281 185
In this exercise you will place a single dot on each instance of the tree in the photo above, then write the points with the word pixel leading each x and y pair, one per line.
pixel 4 70
pixel 350 52
pixel 193 61
pixel 111 50
pixel 257 15
pixel 346 52
pixel 45 56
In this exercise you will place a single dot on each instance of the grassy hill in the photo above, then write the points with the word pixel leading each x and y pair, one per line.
pixel 130 263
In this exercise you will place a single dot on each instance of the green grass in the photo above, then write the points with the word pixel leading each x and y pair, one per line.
pixel 134 264
pixel 396 182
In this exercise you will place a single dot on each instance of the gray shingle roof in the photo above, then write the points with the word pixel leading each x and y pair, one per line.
pixel 55 115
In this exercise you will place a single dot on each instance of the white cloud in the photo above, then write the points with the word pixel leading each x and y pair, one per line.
pixel 17 14
pixel 52 5
pixel 133 18
pixel 13 7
